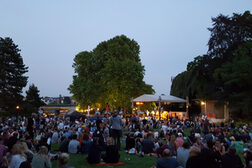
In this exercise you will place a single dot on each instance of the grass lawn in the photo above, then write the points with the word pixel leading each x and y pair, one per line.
pixel 79 161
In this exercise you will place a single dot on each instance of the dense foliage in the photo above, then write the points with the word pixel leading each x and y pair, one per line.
pixel 111 73
pixel 32 101
pixel 12 79
pixel 224 73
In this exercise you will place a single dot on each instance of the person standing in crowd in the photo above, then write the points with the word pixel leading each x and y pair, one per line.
pixel 183 154
pixel 64 144
pixel 73 145
pixel 41 160
pixel 30 127
pixel 55 137
pixel 86 144
pixel 98 122
pixel 61 125
pixel 116 128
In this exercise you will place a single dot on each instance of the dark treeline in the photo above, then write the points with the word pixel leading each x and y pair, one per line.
pixel 224 73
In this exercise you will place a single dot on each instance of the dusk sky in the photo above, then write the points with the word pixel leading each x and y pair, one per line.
pixel 51 32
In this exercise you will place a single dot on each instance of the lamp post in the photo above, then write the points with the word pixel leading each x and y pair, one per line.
pixel 88 110
pixel 17 107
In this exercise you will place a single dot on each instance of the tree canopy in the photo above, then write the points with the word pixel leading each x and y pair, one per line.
pixel 12 78
pixel 236 79
pixel 111 73
pixel 32 100
pixel 224 73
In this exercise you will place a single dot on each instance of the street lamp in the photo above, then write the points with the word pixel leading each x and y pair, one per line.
pixel 17 107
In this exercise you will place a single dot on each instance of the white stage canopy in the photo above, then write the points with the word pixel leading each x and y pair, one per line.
pixel 159 98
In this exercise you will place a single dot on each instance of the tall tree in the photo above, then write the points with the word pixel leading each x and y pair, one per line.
pixel 236 79
pixel 33 98
pixel 12 79
pixel 112 73
pixel 220 74
pixel 229 32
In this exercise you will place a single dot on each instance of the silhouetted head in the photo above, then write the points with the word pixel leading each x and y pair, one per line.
pixel 166 153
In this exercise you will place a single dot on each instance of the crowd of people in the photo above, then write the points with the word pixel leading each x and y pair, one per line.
pixel 29 142
pixel 207 146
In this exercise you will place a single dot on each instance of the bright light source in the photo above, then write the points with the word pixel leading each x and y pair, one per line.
pixel 202 103
pixel 139 103
pixel 17 107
